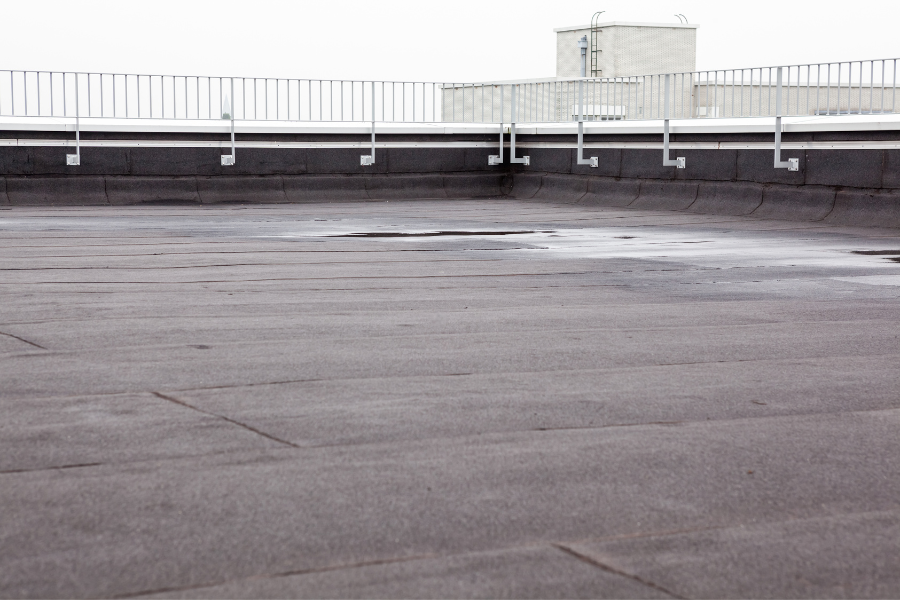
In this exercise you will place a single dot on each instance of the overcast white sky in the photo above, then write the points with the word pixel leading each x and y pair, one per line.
pixel 457 40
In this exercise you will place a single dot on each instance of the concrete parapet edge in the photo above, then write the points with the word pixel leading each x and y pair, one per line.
pixel 318 188
pixel 867 208
pixel 742 184
pixel 265 189
pixel 4 199
pixel 405 187
pixel 727 198
pixel 666 195
pixel 524 186
pixel 142 190
pixel 562 188
pixel 830 204
pixel 473 185
pixel 53 191
pixel 796 203
pixel 607 191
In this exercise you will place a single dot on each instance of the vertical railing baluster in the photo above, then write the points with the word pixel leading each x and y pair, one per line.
pixel 871 85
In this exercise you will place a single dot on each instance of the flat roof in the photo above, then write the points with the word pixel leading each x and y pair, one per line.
pixel 626 24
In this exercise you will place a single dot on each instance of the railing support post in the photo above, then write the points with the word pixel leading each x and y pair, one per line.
pixel 73 160
pixel 524 160
pixel 497 159
pixel 367 160
pixel 228 159
pixel 791 164
pixel 592 161
pixel 668 162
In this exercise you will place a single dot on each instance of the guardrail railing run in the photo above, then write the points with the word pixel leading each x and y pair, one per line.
pixel 840 88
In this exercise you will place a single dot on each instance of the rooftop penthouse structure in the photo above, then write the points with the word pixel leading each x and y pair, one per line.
pixel 622 49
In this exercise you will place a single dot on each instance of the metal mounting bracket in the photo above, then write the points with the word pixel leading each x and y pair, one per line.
pixel 73 160
pixel 524 160
pixel 791 164
pixel 367 160
pixel 592 161
pixel 668 162
pixel 228 159
pixel 497 159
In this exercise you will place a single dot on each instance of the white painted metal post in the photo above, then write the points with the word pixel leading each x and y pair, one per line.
pixel 524 160
pixel 369 159
pixel 73 160
pixel 668 162
pixel 228 159
pixel 791 164
pixel 592 161
pixel 497 159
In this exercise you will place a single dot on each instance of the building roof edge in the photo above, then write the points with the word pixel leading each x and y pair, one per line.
pixel 626 24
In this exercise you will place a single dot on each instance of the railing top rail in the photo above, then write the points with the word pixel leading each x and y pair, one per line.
pixel 467 83
pixel 235 77
pixel 712 94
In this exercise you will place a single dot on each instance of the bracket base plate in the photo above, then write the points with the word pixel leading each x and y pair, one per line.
pixel 227 160
pixel 73 160
pixel 791 164
pixel 366 160
pixel 494 160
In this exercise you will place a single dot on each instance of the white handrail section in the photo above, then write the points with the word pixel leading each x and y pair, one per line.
pixel 839 88
pixel 861 87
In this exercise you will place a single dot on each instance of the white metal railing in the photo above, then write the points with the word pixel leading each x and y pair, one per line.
pixel 856 87
pixel 839 88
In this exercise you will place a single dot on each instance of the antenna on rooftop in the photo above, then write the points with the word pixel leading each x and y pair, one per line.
pixel 595 50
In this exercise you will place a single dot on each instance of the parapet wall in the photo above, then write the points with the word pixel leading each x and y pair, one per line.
pixel 856 182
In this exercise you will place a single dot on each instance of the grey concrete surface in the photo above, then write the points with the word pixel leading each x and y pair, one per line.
pixel 446 398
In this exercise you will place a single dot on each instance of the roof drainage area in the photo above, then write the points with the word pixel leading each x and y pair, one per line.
pixel 529 395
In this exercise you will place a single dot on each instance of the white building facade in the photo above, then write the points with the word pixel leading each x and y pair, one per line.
pixel 624 49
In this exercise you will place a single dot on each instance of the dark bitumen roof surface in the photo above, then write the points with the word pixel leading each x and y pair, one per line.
pixel 446 399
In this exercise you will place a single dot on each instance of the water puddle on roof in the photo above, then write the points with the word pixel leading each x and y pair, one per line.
pixel 414 234
pixel 893 280
pixel 702 247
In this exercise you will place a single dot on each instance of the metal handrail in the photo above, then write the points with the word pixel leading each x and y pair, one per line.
pixel 846 87
pixel 780 91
